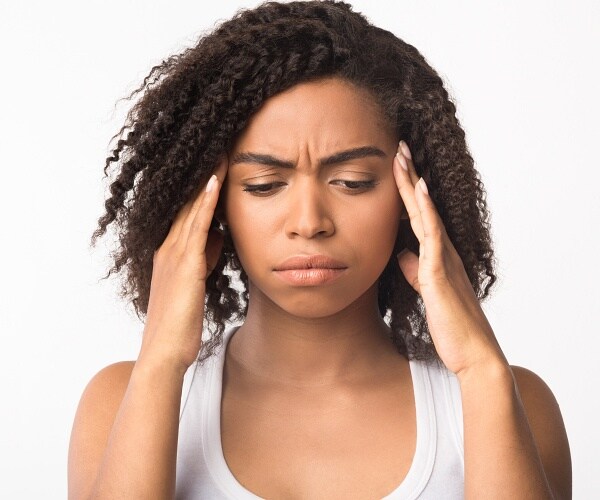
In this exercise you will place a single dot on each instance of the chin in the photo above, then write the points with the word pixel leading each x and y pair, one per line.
pixel 310 302
pixel 312 309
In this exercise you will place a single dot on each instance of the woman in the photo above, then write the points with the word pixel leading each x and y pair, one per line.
pixel 316 160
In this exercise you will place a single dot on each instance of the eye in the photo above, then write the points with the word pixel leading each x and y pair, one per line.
pixel 261 189
pixel 358 185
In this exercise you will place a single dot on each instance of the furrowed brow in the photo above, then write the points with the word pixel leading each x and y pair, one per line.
pixel 261 159
pixel 334 159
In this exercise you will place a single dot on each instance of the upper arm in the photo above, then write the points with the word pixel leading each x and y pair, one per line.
pixel 546 422
pixel 94 418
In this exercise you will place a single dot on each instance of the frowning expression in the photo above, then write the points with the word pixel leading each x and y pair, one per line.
pixel 311 175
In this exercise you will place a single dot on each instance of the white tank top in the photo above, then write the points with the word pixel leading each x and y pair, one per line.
pixel 437 469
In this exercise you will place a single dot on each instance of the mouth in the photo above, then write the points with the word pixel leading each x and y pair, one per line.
pixel 310 270
pixel 299 262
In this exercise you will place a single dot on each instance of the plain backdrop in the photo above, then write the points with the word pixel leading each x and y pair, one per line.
pixel 524 76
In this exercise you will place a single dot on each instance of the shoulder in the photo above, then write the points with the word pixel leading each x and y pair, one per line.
pixel 536 396
pixel 114 371
pixel 547 425
pixel 105 390
pixel 93 421
pixel 109 383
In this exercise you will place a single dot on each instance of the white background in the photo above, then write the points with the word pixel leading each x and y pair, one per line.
pixel 524 76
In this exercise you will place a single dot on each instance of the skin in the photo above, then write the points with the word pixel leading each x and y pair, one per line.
pixel 311 368
pixel 323 333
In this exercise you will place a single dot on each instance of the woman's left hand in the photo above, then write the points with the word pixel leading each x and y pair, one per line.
pixel 459 329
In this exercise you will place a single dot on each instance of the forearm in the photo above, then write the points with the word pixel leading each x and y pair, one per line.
pixel 140 456
pixel 501 458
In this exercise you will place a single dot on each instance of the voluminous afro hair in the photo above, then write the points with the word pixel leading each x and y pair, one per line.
pixel 196 103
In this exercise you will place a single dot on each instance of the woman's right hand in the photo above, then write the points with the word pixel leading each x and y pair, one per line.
pixel 173 328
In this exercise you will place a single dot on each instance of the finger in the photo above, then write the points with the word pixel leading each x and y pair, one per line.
pixel 433 227
pixel 198 230
pixel 406 187
pixel 175 228
pixel 428 209
pixel 221 170
pixel 405 152
pixel 409 265
pixel 199 201
pixel 415 179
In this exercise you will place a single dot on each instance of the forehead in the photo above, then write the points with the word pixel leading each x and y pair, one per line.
pixel 322 115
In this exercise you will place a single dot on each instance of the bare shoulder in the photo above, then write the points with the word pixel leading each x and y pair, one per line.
pixel 105 389
pixel 93 421
pixel 118 372
pixel 546 422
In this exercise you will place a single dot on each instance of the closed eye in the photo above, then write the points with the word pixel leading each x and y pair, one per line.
pixel 260 188
pixel 356 185
pixel 266 188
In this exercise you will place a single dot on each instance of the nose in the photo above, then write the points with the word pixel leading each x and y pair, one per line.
pixel 307 211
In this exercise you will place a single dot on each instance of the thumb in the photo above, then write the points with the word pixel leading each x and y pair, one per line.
pixel 409 265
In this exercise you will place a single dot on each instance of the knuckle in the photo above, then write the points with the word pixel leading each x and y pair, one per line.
pixel 165 253
pixel 435 232
pixel 198 226
pixel 414 216
pixel 188 259
pixel 437 276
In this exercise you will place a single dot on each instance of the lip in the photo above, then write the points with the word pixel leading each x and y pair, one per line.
pixel 317 261
pixel 310 270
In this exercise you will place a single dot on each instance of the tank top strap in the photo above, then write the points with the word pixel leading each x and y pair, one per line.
pixel 447 479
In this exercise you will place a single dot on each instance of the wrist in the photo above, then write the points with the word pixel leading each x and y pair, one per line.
pixel 493 370
pixel 152 364
pixel 162 353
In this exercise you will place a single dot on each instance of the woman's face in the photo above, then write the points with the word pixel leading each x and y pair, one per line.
pixel 281 202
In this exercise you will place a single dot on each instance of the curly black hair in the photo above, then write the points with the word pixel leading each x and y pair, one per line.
pixel 196 103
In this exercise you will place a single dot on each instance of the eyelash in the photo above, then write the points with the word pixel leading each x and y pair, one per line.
pixel 263 189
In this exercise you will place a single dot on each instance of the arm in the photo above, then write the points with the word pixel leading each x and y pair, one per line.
pixel 508 453
pixel 124 438
pixel 515 440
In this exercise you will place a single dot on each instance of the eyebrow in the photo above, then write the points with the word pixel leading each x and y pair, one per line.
pixel 334 159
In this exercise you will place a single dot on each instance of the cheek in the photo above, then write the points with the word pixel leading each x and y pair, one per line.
pixel 370 224
pixel 247 227
pixel 235 214
pixel 382 218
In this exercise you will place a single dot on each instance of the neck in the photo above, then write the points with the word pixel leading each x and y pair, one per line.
pixel 349 345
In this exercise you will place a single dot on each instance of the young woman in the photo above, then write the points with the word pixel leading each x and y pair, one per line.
pixel 302 173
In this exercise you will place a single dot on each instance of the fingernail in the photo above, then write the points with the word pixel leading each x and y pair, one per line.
pixel 402 161
pixel 405 149
pixel 211 183
pixel 423 186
